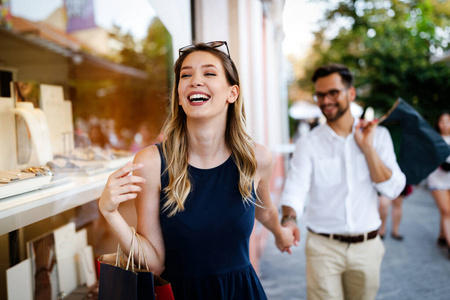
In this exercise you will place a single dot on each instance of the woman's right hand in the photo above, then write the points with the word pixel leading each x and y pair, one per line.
pixel 119 188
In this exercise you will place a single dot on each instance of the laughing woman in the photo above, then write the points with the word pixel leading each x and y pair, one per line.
pixel 199 191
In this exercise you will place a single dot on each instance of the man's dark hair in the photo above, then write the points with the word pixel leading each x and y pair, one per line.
pixel 343 71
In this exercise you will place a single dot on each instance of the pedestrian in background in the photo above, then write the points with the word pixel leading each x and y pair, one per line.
pixel 397 212
pixel 341 166
pixel 199 191
pixel 439 184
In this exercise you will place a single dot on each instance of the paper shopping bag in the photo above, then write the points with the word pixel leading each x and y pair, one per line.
pixel 117 283
pixel 121 279
pixel 163 289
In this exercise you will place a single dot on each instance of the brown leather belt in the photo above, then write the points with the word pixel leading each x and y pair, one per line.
pixel 349 238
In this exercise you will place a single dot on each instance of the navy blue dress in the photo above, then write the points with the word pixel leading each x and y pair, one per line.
pixel 207 244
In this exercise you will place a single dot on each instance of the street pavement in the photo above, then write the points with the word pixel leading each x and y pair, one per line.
pixel 415 268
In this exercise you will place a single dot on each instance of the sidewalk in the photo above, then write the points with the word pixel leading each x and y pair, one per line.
pixel 415 268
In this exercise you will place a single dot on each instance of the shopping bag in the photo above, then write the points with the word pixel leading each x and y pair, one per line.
pixel 120 279
pixel 163 289
pixel 120 284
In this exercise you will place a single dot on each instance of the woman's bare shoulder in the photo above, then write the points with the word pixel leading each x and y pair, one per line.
pixel 151 160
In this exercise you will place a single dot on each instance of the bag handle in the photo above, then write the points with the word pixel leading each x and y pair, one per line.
pixel 130 260
pixel 119 256
pixel 131 253
pixel 142 252
pixel 120 261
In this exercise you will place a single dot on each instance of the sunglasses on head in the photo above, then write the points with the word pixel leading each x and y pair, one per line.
pixel 214 44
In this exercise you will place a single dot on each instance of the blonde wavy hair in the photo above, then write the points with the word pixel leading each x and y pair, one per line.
pixel 175 144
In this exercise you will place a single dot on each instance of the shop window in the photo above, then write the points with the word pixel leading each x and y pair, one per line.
pixel 113 59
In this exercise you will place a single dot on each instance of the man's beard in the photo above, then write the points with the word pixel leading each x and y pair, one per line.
pixel 339 113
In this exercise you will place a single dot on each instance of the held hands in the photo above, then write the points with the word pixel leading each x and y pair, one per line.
pixel 120 188
pixel 364 133
pixel 290 235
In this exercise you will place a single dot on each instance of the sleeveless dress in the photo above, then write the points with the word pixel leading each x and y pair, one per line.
pixel 207 244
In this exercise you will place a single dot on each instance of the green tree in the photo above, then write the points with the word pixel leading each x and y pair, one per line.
pixel 153 54
pixel 132 100
pixel 389 46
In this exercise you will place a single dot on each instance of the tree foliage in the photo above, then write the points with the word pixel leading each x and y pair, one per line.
pixel 127 99
pixel 153 54
pixel 389 45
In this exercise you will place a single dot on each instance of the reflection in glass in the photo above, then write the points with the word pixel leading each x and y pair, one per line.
pixel 116 70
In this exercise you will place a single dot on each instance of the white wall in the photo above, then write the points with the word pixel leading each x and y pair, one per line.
pixel 212 20
pixel 276 87
pixel 258 65
pixel 272 81
pixel 244 59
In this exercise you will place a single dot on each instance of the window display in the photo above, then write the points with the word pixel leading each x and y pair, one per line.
pixel 110 57
pixel 95 70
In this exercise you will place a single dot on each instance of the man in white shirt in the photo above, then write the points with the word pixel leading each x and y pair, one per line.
pixel 341 166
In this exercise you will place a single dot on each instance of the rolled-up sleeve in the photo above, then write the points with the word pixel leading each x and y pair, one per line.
pixel 392 187
pixel 298 179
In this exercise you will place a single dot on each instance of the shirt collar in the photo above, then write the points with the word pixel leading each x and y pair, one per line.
pixel 332 134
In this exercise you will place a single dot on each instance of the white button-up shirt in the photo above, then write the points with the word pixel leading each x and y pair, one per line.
pixel 333 172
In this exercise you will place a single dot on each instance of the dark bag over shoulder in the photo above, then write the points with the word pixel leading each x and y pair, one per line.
pixel 445 167
pixel 421 149
pixel 120 279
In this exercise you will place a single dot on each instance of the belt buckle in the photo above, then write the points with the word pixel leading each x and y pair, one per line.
pixel 342 238
pixel 352 239
pixel 358 239
pixel 348 239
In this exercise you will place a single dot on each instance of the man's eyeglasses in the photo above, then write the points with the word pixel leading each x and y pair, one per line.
pixel 332 94
pixel 214 44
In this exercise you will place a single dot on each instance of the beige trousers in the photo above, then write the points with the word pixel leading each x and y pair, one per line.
pixel 337 270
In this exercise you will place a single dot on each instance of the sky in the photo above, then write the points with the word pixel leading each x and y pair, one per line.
pixel 300 19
